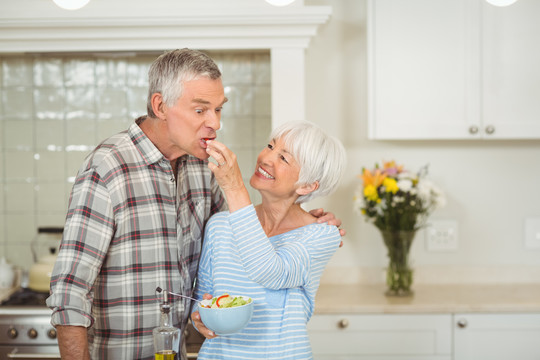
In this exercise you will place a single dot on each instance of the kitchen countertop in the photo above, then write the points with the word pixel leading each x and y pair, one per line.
pixel 447 298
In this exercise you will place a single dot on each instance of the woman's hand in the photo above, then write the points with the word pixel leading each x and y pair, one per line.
pixel 198 324
pixel 226 170
pixel 228 175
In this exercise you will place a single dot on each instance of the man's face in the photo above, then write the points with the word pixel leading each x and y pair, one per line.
pixel 195 117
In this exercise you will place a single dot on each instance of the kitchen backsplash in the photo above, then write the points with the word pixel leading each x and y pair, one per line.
pixel 55 108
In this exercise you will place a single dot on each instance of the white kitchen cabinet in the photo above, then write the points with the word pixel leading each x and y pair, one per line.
pixel 381 337
pixel 510 69
pixel 460 336
pixel 496 336
pixel 453 69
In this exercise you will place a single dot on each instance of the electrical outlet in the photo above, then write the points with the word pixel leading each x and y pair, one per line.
pixel 442 236
pixel 532 233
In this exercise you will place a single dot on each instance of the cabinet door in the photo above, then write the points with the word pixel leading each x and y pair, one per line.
pixel 496 336
pixel 423 69
pixel 511 70
pixel 382 337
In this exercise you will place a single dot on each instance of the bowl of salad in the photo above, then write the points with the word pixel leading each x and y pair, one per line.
pixel 226 314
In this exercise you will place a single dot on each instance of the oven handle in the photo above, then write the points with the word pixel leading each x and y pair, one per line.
pixel 23 356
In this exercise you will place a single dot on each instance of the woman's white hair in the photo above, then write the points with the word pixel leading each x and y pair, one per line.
pixel 322 158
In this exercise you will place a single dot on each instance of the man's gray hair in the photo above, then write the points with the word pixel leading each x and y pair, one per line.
pixel 321 157
pixel 171 69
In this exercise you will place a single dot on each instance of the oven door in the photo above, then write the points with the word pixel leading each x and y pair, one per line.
pixel 29 352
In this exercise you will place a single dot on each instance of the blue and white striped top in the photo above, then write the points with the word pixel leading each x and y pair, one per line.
pixel 281 274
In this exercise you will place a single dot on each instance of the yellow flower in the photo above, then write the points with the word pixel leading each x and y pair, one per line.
pixel 390 185
pixel 370 192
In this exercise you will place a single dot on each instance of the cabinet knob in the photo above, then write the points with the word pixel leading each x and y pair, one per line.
pixel 462 323
pixel 32 333
pixel 490 129
pixel 343 323
pixel 473 129
pixel 12 333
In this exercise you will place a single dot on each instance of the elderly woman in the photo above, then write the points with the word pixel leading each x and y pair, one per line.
pixel 274 252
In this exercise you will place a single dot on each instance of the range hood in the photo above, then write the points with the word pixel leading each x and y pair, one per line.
pixel 39 26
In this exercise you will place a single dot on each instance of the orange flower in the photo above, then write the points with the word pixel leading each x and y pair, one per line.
pixel 375 179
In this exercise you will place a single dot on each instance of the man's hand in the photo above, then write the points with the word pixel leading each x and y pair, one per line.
pixel 73 342
pixel 330 218
pixel 197 322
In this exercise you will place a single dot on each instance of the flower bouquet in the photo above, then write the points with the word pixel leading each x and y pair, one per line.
pixel 398 203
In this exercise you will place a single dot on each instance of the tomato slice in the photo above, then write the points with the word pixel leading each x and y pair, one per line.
pixel 221 297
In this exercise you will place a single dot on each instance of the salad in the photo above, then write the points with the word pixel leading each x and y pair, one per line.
pixel 225 301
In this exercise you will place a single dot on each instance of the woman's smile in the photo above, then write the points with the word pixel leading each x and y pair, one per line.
pixel 264 173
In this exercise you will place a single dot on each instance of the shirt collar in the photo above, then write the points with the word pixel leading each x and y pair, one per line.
pixel 146 148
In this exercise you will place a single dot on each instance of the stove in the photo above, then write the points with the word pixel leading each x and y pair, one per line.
pixel 26 332
pixel 25 329
pixel 26 297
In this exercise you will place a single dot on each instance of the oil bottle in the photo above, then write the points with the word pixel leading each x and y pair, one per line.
pixel 166 336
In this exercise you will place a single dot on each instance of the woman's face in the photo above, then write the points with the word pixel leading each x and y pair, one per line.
pixel 276 171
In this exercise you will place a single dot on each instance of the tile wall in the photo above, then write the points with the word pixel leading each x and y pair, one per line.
pixel 55 108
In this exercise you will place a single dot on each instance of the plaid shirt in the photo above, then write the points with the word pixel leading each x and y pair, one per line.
pixel 130 228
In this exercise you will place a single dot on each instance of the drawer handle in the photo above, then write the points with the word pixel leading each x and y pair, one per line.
pixel 343 323
pixel 462 323
pixel 22 356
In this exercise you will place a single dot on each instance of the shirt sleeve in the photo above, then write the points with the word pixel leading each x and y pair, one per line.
pixel 205 273
pixel 205 283
pixel 287 266
pixel 218 200
pixel 87 234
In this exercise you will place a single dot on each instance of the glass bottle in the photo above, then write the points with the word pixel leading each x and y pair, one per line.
pixel 166 336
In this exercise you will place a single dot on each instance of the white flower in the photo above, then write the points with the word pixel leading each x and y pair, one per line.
pixel 405 184
pixel 439 197
pixel 424 188
pixel 359 200
pixel 430 194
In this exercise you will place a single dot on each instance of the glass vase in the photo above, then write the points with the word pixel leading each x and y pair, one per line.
pixel 399 274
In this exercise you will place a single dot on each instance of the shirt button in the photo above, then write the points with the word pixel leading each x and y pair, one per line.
pixel 172 179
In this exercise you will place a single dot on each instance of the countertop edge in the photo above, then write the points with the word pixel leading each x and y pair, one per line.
pixel 429 299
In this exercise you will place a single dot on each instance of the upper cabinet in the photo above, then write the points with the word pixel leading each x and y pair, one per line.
pixel 453 69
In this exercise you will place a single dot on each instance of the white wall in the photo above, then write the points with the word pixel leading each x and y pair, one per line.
pixel 491 186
